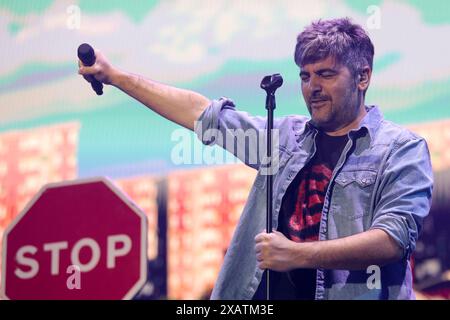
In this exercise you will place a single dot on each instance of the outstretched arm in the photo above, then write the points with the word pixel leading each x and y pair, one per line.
pixel 178 105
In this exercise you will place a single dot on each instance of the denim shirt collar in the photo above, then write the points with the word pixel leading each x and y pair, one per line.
pixel 371 121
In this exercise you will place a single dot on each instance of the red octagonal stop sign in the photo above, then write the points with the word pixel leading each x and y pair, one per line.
pixel 76 240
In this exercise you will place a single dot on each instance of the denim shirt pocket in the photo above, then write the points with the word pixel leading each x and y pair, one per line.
pixel 352 193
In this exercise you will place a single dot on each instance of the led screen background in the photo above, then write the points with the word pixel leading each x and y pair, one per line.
pixel 218 48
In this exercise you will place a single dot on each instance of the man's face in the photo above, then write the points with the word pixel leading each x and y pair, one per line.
pixel 330 93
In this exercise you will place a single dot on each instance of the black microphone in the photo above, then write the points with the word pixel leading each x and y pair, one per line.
pixel 272 83
pixel 87 56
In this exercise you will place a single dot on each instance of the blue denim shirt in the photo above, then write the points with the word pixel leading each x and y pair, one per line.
pixel 383 180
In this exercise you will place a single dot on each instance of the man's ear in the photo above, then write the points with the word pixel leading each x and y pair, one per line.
pixel 364 78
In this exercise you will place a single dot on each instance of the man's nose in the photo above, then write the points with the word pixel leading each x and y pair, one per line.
pixel 315 85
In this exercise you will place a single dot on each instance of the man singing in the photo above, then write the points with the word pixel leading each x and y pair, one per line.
pixel 351 190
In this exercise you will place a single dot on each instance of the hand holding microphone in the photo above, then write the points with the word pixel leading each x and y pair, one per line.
pixel 94 67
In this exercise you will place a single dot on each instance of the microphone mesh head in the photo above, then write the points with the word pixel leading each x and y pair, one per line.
pixel 86 54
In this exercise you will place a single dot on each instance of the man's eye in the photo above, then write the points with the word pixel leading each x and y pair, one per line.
pixel 327 75
pixel 304 78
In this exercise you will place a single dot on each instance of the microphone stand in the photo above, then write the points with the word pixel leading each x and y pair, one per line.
pixel 270 84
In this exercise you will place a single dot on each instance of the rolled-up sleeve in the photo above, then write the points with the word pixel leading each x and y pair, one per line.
pixel 405 193
pixel 236 131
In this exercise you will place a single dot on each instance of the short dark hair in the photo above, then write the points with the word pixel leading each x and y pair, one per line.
pixel 347 42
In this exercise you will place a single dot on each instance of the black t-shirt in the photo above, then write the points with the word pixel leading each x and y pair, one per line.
pixel 300 215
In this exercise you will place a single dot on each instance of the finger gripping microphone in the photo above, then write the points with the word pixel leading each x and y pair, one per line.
pixel 87 56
